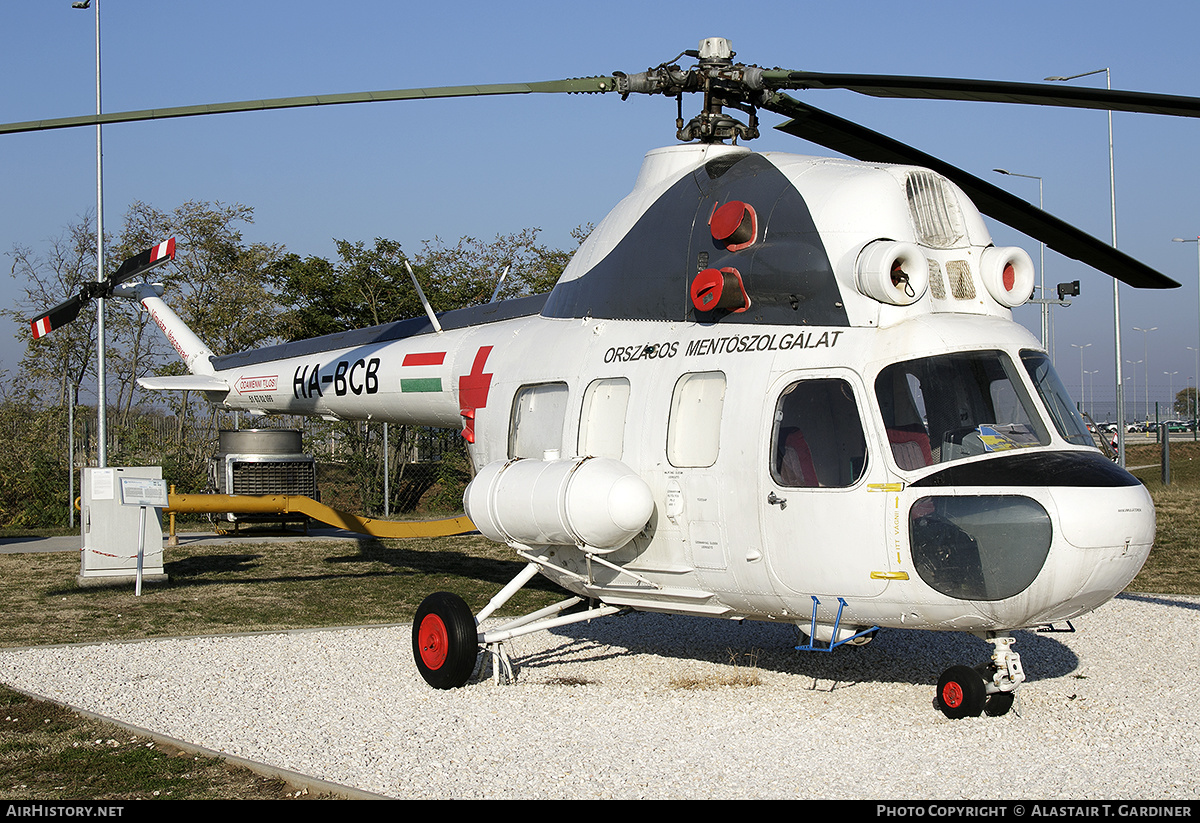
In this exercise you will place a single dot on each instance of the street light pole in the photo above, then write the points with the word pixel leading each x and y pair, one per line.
pixel 1112 184
pixel 1042 264
pixel 101 372
pixel 1195 391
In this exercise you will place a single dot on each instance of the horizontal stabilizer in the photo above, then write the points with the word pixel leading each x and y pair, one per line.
pixel 184 382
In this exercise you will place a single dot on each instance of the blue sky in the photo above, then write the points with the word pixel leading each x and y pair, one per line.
pixel 482 167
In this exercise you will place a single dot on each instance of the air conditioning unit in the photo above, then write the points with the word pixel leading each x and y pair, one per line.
pixel 263 461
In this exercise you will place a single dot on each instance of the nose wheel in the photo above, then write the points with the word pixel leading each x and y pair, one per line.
pixel 963 691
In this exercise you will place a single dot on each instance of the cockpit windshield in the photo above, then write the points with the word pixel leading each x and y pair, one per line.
pixel 951 406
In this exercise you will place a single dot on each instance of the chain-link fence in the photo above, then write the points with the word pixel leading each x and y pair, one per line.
pixel 366 468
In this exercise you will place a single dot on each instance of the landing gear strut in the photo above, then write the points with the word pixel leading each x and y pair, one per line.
pixel 989 689
pixel 447 640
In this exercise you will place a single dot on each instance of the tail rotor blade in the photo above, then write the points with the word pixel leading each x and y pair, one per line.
pixel 135 266
pixel 59 316
pixel 151 258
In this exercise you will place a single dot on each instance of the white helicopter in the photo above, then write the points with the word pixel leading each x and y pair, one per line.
pixel 768 387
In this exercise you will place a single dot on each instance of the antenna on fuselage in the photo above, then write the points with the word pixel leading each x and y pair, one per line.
pixel 428 308
pixel 499 283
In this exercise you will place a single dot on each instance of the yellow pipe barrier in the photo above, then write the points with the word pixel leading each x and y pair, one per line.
pixel 298 504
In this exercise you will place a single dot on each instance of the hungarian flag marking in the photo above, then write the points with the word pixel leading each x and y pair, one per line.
pixel 422 384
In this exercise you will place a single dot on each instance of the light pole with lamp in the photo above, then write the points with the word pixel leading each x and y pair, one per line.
pixel 1112 184
pixel 1042 264
pixel 101 372
pixel 1194 399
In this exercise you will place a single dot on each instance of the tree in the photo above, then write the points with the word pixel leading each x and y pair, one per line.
pixel 467 273
pixel 218 285
pixel 365 287
pixel 53 364
pixel 1185 403
pixel 369 286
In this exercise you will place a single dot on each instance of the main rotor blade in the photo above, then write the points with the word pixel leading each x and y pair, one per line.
pixel 582 85
pixel 992 91
pixel 861 143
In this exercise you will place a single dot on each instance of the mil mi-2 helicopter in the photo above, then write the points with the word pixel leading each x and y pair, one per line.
pixel 768 387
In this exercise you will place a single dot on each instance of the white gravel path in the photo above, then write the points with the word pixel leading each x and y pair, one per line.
pixel 1108 712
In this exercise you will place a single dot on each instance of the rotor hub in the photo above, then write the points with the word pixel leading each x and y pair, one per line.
pixel 723 83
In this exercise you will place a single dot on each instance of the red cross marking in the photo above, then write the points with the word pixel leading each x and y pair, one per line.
pixel 473 392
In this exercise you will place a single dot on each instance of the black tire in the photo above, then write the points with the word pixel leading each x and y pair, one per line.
pixel 998 704
pixel 960 693
pixel 445 640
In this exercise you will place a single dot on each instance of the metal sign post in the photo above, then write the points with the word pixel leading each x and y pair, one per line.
pixel 143 492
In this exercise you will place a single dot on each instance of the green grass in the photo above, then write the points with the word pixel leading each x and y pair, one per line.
pixel 48 752
pixel 1174 563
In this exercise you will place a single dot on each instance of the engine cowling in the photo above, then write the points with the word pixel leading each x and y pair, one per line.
pixel 1008 274
pixel 892 272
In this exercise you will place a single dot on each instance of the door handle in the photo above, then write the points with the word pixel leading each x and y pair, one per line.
pixel 775 499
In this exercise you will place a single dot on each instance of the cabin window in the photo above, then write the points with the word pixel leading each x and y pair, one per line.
pixel 818 436
pixel 694 430
pixel 943 408
pixel 1058 403
pixel 602 420
pixel 537 420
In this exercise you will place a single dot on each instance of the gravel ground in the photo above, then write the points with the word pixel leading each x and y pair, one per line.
pixel 599 710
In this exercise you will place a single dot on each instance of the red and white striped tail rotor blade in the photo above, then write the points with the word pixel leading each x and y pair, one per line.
pixel 151 258
pixel 57 317
pixel 68 310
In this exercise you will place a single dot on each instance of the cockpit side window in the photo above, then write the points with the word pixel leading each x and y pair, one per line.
pixel 943 408
pixel 1050 388
pixel 818 438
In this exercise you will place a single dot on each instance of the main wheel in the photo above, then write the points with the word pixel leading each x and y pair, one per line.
pixel 998 704
pixel 960 693
pixel 445 640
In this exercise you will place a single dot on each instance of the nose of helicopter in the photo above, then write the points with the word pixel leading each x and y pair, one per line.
pixel 1055 535
pixel 1105 537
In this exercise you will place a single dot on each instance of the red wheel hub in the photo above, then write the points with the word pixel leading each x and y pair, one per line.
pixel 952 695
pixel 434 641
